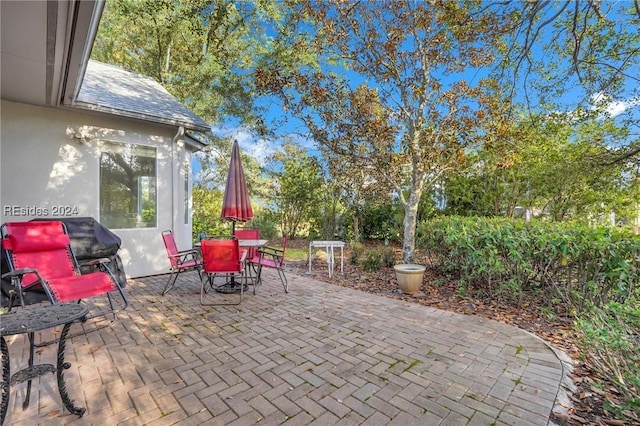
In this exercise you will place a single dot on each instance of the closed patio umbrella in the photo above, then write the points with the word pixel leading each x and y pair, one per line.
pixel 236 206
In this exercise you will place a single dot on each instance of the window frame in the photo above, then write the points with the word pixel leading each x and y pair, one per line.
pixel 119 147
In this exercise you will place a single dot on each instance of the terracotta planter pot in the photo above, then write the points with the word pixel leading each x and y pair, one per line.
pixel 409 277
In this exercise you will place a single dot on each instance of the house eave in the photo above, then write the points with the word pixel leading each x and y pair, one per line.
pixel 140 116
pixel 193 142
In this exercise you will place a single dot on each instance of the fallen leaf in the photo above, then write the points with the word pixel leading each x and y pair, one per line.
pixel 614 422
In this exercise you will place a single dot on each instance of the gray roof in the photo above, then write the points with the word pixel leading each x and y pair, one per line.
pixel 110 89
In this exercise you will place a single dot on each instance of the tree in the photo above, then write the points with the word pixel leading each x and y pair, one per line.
pixel 590 43
pixel 297 185
pixel 358 190
pixel 214 163
pixel 207 205
pixel 201 51
pixel 553 169
pixel 395 92
pixel 586 49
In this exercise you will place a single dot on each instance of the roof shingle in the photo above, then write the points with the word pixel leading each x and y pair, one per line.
pixel 116 91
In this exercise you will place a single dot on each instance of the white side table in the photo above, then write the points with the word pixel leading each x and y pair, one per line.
pixel 329 248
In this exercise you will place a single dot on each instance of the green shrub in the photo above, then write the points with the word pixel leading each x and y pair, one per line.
pixel 567 263
pixel 610 335
pixel 372 260
pixel 357 250
pixel 388 256
pixel 265 221
pixel 590 273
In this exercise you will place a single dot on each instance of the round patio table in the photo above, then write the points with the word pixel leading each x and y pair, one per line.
pixel 28 321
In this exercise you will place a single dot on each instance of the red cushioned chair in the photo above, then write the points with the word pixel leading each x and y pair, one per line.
pixel 40 257
pixel 248 234
pixel 252 253
pixel 271 257
pixel 181 261
pixel 222 256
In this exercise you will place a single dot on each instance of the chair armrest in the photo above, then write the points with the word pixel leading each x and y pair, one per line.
pixel 276 255
pixel 272 251
pixel 185 253
pixel 19 272
pixel 189 251
pixel 185 256
pixel 94 262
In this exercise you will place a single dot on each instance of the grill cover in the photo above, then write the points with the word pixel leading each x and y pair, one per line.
pixel 89 239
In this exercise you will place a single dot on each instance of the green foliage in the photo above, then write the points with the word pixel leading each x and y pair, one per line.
pixel 357 251
pixel 377 103
pixel 207 205
pixel 201 51
pixel 297 188
pixel 214 168
pixel 388 256
pixel 265 221
pixel 566 263
pixel 610 335
pixel 556 168
pixel 372 259
pixel 327 223
pixel 591 273
pixel 382 220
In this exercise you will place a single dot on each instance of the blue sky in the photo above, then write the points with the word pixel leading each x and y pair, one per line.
pixel 261 149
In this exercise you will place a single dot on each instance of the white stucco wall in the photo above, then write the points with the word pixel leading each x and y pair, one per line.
pixel 47 172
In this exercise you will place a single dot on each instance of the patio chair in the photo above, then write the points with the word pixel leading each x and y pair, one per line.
pixel 180 260
pixel 248 234
pixel 40 258
pixel 271 257
pixel 222 256
pixel 252 252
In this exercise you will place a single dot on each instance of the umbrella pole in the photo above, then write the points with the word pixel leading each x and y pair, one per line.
pixel 233 232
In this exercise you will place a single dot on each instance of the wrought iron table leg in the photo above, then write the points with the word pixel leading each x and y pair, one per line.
pixel 6 374
pixel 27 398
pixel 62 387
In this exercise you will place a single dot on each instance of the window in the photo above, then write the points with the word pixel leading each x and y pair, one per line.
pixel 128 186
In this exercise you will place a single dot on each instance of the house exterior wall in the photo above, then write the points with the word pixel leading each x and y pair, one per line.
pixel 50 167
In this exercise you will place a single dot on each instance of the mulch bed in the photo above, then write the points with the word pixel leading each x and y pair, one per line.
pixel 589 400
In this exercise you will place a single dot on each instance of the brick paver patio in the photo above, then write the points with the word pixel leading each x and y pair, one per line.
pixel 320 355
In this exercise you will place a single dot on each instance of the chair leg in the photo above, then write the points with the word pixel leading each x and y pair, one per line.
pixel 254 276
pixel 169 285
pixel 209 278
pixel 258 278
pixel 283 279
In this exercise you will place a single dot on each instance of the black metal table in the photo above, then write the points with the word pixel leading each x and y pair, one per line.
pixel 29 321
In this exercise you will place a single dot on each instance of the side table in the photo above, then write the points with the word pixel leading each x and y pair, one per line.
pixel 329 246
pixel 28 321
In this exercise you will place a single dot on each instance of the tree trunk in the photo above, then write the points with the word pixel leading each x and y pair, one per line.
pixel 356 226
pixel 409 223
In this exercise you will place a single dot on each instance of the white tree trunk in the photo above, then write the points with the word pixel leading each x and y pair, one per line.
pixel 409 224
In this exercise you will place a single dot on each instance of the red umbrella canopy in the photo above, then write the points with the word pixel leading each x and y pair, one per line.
pixel 236 205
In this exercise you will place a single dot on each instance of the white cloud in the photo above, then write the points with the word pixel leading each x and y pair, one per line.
pixel 616 108
pixel 603 102
pixel 257 148
pixel 260 149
